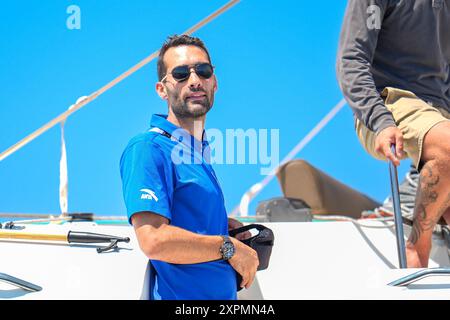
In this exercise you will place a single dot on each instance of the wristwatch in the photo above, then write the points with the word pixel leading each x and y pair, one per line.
pixel 227 249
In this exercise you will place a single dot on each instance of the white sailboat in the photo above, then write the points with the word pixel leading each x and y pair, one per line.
pixel 315 256
pixel 340 258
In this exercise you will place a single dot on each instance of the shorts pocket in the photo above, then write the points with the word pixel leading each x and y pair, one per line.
pixel 392 95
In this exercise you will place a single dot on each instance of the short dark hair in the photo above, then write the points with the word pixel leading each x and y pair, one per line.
pixel 175 41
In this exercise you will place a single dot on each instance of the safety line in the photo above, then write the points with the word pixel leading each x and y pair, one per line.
pixel 86 100
pixel 242 208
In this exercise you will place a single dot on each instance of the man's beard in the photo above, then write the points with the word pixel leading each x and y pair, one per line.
pixel 188 109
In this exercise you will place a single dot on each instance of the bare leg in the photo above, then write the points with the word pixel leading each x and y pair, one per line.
pixel 433 194
pixel 447 216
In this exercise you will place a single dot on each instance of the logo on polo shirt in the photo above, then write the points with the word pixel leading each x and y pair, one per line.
pixel 148 194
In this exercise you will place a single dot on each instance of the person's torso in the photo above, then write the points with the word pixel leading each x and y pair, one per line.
pixel 197 206
pixel 413 49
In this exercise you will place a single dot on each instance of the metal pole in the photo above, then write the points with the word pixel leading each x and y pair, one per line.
pixel 407 280
pixel 397 213
pixel 19 282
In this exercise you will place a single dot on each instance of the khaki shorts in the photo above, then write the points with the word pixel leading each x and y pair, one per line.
pixel 413 116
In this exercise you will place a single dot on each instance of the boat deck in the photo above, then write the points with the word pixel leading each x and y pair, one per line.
pixel 74 271
pixel 310 260
pixel 340 260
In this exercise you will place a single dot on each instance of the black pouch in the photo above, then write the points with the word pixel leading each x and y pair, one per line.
pixel 262 243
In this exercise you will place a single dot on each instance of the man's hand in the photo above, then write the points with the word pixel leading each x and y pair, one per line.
pixel 245 261
pixel 386 138
pixel 234 224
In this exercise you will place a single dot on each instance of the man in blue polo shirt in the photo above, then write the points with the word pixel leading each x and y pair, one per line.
pixel 172 195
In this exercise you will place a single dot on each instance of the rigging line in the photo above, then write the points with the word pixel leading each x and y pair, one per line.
pixel 56 216
pixel 26 215
pixel 242 208
pixel 86 100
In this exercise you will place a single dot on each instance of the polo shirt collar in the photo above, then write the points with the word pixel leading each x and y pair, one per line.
pixel 180 134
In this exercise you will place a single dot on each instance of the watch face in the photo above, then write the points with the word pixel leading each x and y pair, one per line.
pixel 228 250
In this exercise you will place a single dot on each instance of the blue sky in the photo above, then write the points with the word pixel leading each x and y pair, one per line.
pixel 275 66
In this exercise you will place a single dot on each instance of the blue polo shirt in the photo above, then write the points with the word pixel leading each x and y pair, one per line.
pixel 170 175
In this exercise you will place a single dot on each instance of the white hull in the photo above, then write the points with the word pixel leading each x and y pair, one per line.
pixel 317 260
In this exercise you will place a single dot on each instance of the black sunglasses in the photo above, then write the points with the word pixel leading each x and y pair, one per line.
pixel 182 73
